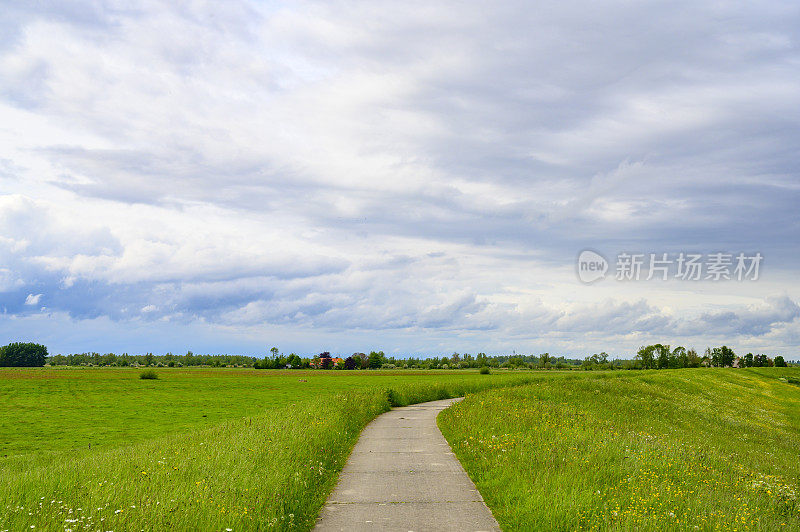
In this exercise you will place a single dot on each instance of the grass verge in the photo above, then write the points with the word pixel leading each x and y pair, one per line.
pixel 669 450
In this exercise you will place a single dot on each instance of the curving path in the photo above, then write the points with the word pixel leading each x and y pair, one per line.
pixel 402 475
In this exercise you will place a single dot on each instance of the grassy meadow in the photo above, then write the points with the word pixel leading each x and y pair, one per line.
pixel 243 449
pixel 195 449
pixel 696 449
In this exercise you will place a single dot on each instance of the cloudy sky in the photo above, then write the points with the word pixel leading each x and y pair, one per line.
pixel 417 177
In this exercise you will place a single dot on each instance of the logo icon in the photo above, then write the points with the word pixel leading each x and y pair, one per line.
pixel 591 266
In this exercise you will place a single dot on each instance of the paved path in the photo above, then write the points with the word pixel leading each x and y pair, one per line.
pixel 403 476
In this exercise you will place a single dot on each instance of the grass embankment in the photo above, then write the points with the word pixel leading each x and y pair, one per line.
pixel 669 450
pixel 194 449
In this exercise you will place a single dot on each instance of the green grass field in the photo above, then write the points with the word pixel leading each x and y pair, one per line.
pixel 196 449
pixel 715 449
pixel 241 449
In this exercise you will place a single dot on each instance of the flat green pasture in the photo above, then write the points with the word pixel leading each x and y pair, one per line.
pixel 57 409
pixel 196 449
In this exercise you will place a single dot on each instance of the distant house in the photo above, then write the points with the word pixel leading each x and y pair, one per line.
pixel 326 362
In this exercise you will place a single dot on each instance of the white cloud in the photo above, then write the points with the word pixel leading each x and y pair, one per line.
pixel 33 299
pixel 411 174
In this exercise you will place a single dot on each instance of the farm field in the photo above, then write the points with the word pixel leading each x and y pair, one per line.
pixel 203 449
pixel 697 449
pixel 57 409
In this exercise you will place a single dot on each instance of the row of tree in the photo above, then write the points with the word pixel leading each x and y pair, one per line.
pixel 379 360
pixel 149 359
pixel 660 356
pixel 279 361
pixel 657 356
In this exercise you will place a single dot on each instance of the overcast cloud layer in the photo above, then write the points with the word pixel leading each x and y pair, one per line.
pixel 419 178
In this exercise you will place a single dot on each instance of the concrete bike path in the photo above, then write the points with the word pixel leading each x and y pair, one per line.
pixel 403 476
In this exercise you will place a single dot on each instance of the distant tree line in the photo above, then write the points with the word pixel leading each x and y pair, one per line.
pixel 657 356
pixel 379 360
pixel 279 361
pixel 324 360
pixel 660 356
pixel 149 360
pixel 20 354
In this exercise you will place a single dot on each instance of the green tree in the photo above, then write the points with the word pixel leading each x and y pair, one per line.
pixel 748 360
pixel 516 361
pixel 20 354
pixel 375 360
pixel 646 356
pixel 780 362
pixel 274 352
pixel 716 357
pixel 596 361
pixel 679 359
pixel 545 360
pixel 663 354
pixel 727 356
pixel 362 360
pixel 693 360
